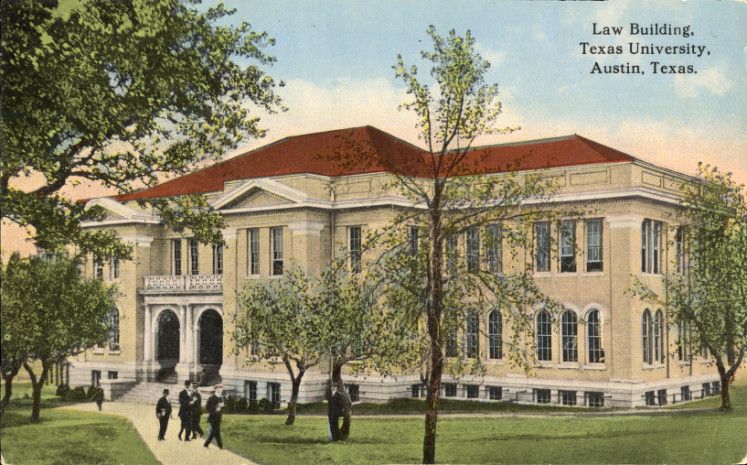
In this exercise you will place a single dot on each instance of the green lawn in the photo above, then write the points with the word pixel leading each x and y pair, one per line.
pixel 64 437
pixel 707 438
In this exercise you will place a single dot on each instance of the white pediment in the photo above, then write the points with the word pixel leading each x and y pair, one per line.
pixel 259 192
pixel 115 210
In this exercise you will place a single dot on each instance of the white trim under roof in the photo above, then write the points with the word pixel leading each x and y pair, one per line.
pixel 268 185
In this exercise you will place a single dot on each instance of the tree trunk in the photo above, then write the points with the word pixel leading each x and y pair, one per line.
pixel 36 384
pixel 434 309
pixel 347 415
pixel 8 380
pixel 295 386
pixel 725 398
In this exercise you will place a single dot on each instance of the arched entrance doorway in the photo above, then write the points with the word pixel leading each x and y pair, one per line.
pixel 167 344
pixel 211 345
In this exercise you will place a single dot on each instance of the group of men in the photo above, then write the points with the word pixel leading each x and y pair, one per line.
pixel 190 412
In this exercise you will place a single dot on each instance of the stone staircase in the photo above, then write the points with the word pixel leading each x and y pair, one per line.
pixel 149 393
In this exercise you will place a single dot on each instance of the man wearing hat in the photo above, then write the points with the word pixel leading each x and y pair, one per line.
pixel 163 413
pixel 185 410
pixel 214 406
pixel 196 412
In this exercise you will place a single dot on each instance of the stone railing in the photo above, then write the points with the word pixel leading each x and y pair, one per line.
pixel 191 282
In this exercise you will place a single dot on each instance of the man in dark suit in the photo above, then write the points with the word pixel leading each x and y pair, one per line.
pixel 185 410
pixel 163 413
pixel 214 406
pixel 196 412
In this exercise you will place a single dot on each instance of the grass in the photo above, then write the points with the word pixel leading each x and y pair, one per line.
pixel 692 438
pixel 64 437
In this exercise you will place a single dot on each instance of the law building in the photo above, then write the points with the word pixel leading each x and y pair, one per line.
pixel 289 202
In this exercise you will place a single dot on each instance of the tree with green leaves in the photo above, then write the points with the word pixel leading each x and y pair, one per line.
pixel 121 95
pixel 707 294
pixel 50 312
pixel 334 317
pixel 421 269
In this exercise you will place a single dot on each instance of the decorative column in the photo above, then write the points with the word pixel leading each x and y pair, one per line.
pixel 147 336
pixel 182 334
pixel 189 333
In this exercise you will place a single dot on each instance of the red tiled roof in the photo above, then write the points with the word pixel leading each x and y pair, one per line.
pixel 369 150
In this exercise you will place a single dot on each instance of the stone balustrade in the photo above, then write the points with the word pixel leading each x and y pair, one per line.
pixel 194 282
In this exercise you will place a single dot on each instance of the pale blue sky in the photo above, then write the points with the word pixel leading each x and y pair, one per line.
pixel 337 56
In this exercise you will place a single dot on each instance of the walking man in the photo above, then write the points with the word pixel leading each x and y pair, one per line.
pixel 163 413
pixel 196 412
pixel 185 410
pixel 214 406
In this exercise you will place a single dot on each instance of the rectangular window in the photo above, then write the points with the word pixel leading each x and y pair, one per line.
pixel 412 240
pixel 415 390
pixel 253 246
pixel 114 267
pixel 98 267
pixel 567 397
pixel 450 389
pixel 685 392
pixel 354 392
pixel 250 390
pixel 495 392
pixel 651 246
pixel 594 255
pixel 494 248
pixel 541 396
pixel 277 250
pixel 716 387
pixel 451 342
pixel 473 391
pixel 567 242
pixel 217 258
pixel 176 257
pixel 96 378
pixel 473 249
pixel 706 389
pixel 679 239
pixel 355 246
pixel 542 246
pixel 594 399
pixel 273 392
pixel 650 397
pixel 112 375
pixel 194 257
pixel 451 253
pixel 661 394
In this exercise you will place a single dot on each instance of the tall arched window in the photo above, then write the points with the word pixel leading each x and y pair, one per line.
pixel 658 340
pixel 113 329
pixel 495 334
pixel 569 335
pixel 594 336
pixel 646 329
pixel 472 335
pixel 451 341
pixel 544 336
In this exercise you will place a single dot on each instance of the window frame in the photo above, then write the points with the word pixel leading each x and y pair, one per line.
pixel 413 240
pixel 253 259
pixel 567 246
pixel 569 336
pixel 194 257
pixel 542 241
pixel 114 271
pixel 276 251
pixel 594 350
pixel 472 335
pixel 646 337
pixel 472 244
pixel 495 335
pixel 596 265
pixel 176 257
pixel 355 248
pixel 543 339
pixel 217 259
pixel 494 247
pixel 113 333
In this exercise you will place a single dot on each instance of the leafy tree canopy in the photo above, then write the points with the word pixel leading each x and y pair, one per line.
pixel 121 94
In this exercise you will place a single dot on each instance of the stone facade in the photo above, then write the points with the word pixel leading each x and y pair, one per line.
pixel 311 215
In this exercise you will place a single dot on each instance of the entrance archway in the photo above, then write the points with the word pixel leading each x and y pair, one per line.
pixel 168 338
pixel 211 338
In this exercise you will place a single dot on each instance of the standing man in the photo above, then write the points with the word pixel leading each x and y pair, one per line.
pixel 185 410
pixel 163 413
pixel 214 406
pixel 196 412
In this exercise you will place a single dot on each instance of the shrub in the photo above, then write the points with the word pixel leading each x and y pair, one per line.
pixel 62 390
pixel 76 395
pixel 252 407
pixel 265 406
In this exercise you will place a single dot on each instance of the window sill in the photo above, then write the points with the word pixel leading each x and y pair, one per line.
pixel 595 366
pixel 568 366
pixel 653 367
pixel 115 352
pixel 275 276
pixel 252 276
pixel 97 351
pixel 542 274
pixel 544 364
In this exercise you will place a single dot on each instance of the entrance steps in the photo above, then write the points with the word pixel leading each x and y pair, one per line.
pixel 149 393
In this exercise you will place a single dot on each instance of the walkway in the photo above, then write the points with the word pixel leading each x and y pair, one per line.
pixel 172 451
